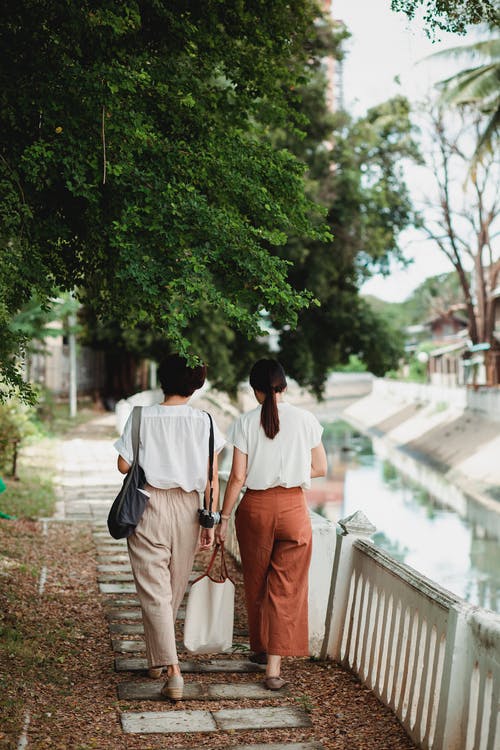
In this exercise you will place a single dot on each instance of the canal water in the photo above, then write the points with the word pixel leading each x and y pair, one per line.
pixel 412 525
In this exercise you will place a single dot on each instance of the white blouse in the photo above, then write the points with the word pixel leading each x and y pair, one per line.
pixel 173 446
pixel 284 461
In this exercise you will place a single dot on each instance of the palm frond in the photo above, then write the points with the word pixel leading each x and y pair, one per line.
pixel 475 86
pixel 487 49
pixel 488 137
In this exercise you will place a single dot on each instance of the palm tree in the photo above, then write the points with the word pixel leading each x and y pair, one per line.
pixel 477 86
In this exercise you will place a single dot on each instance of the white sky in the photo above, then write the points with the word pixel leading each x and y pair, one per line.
pixel 384 45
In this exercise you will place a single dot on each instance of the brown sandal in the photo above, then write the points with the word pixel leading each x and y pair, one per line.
pixel 274 683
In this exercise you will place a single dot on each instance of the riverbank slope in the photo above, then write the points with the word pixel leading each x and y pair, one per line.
pixel 457 446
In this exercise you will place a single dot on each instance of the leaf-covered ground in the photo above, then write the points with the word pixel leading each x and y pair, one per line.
pixel 56 663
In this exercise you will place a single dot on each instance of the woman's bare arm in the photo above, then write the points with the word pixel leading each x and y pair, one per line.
pixel 123 466
pixel 318 461
pixel 233 489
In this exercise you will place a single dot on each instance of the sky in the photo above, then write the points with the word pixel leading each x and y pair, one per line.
pixel 384 46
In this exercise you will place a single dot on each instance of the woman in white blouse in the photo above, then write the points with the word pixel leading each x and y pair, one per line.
pixel 277 449
pixel 173 452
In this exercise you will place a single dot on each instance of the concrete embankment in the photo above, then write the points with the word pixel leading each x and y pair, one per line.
pixel 437 438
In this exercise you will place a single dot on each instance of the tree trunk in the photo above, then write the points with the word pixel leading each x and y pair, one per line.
pixel 471 314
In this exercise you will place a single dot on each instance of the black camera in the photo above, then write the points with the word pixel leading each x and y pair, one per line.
pixel 208 518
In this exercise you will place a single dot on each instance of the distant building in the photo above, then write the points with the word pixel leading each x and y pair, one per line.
pixel 50 366
pixel 446 326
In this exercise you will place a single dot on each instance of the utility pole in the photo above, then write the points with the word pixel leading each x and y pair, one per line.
pixel 73 386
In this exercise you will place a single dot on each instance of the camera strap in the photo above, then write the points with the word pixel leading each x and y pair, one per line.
pixel 210 465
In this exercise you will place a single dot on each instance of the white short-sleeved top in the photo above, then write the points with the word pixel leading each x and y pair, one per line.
pixel 173 446
pixel 284 461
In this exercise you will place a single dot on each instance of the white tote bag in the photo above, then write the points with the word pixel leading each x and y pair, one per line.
pixel 208 627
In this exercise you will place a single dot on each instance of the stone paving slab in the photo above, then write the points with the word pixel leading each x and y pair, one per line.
pixel 150 722
pixel 115 567
pixel 127 664
pixel 280 717
pixel 117 588
pixel 115 577
pixel 110 549
pixel 126 628
pixel 229 719
pixel 130 601
pixel 113 559
pixel 124 614
pixel 272 746
pixel 128 647
pixel 151 691
pixel 104 539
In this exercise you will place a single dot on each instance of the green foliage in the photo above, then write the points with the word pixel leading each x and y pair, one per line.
pixel 417 371
pixel 433 297
pixel 15 427
pixel 360 180
pixel 449 15
pixel 354 365
pixel 135 166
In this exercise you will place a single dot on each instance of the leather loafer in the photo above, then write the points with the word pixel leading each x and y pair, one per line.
pixel 174 687
pixel 274 683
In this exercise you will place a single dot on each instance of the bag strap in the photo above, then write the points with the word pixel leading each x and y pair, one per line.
pixel 223 566
pixel 136 427
pixel 210 465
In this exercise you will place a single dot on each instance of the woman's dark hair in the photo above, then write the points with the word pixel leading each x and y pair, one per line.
pixel 177 379
pixel 268 376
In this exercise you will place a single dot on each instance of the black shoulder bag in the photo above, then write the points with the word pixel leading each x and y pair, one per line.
pixel 129 504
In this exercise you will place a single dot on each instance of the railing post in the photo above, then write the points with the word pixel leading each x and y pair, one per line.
pixel 451 722
pixel 355 526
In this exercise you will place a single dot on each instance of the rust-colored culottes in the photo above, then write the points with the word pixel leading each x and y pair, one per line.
pixel 274 534
pixel 161 551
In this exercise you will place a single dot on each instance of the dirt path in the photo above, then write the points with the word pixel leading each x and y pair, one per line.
pixel 58 658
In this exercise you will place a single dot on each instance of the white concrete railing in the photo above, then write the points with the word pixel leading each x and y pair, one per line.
pixel 425 653
pixel 125 405
pixel 319 572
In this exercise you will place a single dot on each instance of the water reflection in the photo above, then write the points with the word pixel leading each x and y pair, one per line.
pixel 413 526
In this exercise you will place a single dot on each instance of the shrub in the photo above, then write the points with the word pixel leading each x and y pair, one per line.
pixel 15 426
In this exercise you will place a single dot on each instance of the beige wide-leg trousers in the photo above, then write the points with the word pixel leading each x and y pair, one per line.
pixel 161 551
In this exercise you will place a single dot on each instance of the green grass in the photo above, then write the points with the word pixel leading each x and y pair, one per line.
pixel 32 495
pixel 54 421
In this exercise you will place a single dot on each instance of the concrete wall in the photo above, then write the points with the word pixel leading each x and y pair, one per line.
pixel 484 401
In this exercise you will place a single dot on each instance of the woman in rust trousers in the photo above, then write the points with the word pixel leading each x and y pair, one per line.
pixel 277 449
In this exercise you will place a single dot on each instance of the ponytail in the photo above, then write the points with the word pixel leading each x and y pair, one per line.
pixel 268 377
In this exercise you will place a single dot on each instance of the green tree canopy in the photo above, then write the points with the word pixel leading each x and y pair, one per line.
pixel 133 164
pixel 358 177
pixel 354 171
pixel 449 15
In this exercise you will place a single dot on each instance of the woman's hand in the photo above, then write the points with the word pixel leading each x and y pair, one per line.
pixel 221 532
pixel 206 538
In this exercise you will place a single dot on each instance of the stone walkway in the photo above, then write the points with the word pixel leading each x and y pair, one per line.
pixel 87 483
